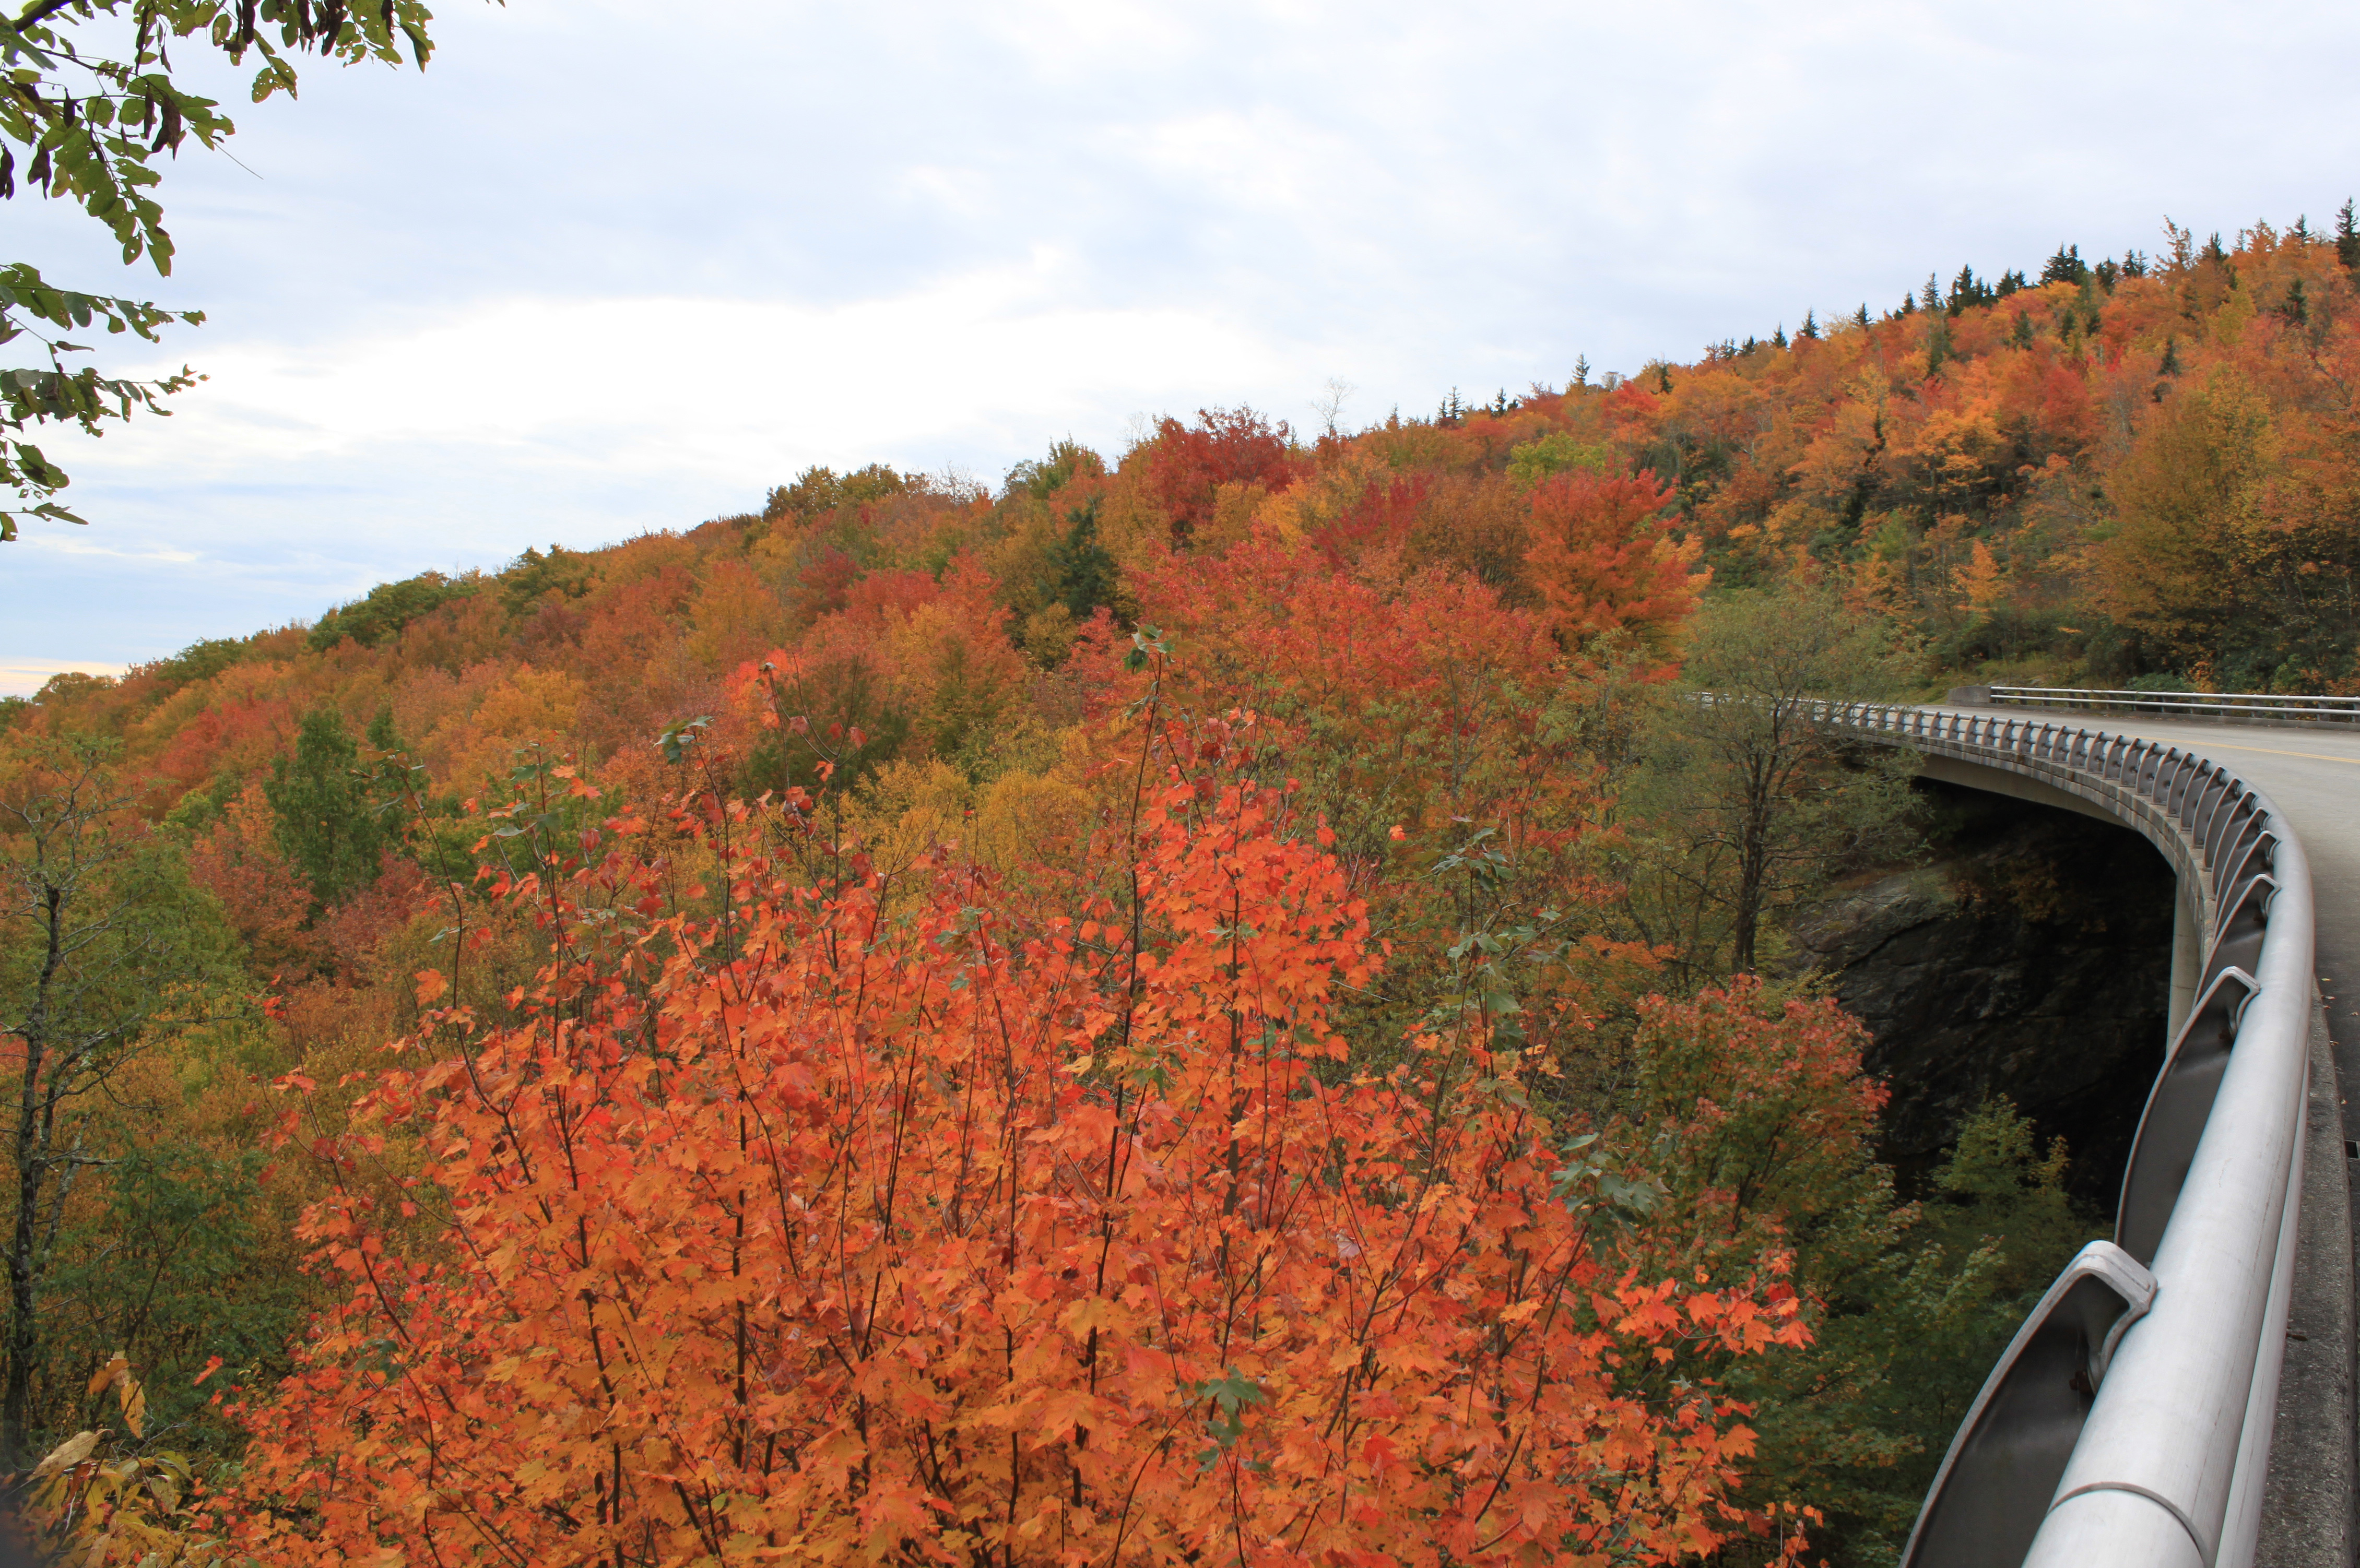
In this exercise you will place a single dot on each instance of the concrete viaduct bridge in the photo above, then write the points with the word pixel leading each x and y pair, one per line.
pixel 2183 1395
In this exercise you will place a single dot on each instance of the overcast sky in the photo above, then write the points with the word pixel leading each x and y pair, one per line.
pixel 606 268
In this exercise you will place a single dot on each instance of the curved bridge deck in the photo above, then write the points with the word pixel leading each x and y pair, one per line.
pixel 2312 778
pixel 2313 775
pixel 2132 1419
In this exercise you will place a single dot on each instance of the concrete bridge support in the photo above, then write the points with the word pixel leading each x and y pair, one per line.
pixel 2187 953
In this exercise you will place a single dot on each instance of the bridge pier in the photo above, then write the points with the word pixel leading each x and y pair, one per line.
pixel 2187 955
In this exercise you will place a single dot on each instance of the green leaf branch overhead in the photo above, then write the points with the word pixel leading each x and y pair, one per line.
pixel 89 110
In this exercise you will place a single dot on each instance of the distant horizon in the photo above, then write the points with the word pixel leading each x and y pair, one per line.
pixel 22 677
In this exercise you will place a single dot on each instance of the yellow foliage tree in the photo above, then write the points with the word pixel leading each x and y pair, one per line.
pixel 2192 534
pixel 1981 581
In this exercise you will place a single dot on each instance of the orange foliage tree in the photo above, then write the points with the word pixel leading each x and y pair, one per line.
pixel 817 1232
pixel 1602 558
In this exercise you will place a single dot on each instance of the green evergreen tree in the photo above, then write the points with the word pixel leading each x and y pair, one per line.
pixel 325 825
pixel 1778 338
pixel 2065 266
pixel 2171 365
pixel 1861 320
pixel 1938 326
pixel 2347 237
pixel 1083 574
pixel 2022 336
pixel 392 783
pixel 2092 305
pixel 1967 291
pixel 381 732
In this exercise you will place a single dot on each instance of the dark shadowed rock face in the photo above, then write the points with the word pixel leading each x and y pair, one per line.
pixel 2031 958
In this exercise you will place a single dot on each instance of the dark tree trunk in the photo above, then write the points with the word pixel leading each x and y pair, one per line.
pixel 23 1348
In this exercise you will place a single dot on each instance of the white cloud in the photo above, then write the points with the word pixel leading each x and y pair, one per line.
pixel 595 272
pixel 53 543
pixel 727 388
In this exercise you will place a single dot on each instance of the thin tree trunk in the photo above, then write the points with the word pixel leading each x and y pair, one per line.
pixel 1748 921
pixel 32 1166
pixel 1753 872
pixel 24 1288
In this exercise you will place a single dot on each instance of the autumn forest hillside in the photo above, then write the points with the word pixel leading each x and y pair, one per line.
pixel 1210 998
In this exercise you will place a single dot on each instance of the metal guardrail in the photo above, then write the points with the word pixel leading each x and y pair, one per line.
pixel 2129 1420
pixel 2230 707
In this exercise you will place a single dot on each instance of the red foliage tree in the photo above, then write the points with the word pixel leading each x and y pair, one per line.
pixel 824 583
pixel 263 897
pixel 1377 524
pixel 823 1235
pixel 1187 466
pixel 888 597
